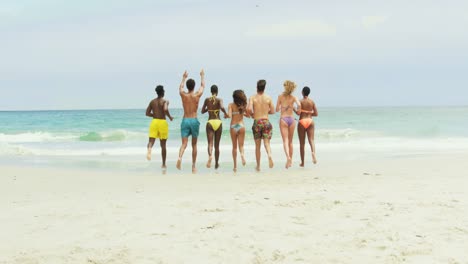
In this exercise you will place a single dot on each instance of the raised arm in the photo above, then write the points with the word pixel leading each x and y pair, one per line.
pixel 202 83
pixel 166 110
pixel 182 83
pixel 149 109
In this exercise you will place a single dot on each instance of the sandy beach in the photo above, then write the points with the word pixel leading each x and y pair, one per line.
pixel 405 210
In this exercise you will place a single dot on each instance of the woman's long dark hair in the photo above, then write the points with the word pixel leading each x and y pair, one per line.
pixel 240 100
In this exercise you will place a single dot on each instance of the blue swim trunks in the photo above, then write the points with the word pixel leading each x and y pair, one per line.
pixel 189 127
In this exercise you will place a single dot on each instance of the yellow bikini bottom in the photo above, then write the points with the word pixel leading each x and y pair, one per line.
pixel 215 123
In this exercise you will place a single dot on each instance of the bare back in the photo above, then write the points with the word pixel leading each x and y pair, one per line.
pixel 261 105
pixel 157 108
pixel 237 116
pixel 308 108
pixel 285 104
pixel 190 103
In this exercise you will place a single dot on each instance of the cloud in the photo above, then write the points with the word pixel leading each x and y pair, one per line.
pixel 372 22
pixel 294 28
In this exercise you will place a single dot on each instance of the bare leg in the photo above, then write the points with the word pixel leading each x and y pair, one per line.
pixel 194 154
pixel 162 143
pixel 217 139
pixel 266 143
pixel 181 151
pixel 209 137
pixel 240 141
pixel 149 147
pixel 310 136
pixel 290 141
pixel 301 134
pixel 234 148
pixel 258 142
pixel 284 129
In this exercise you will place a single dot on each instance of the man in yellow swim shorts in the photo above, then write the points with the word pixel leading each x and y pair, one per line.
pixel 158 110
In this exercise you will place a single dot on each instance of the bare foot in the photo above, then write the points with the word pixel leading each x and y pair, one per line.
pixel 270 162
pixel 288 163
pixel 243 160
pixel 314 159
pixel 216 166
pixel 208 164
pixel 179 161
pixel 235 169
pixel 194 170
pixel 148 155
pixel 257 168
pixel 163 166
pixel 301 165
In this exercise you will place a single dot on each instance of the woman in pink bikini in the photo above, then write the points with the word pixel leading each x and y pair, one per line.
pixel 287 123
pixel 237 111
pixel 306 124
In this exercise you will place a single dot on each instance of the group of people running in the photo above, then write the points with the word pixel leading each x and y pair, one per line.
pixel 258 107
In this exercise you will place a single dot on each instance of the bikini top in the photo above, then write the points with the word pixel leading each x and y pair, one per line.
pixel 216 112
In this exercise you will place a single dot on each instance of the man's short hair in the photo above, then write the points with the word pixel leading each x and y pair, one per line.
pixel 261 85
pixel 306 91
pixel 190 84
pixel 214 89
pixel 159 90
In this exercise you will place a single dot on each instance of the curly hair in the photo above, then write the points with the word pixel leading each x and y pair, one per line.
pixel 240 100
pixel 289 87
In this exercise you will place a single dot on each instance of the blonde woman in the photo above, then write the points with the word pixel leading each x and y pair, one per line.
pixel 287 123
pixel 237 111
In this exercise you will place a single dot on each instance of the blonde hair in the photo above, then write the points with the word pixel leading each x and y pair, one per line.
pixel 289 87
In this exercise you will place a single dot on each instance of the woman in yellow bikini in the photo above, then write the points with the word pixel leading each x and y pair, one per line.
pixel 237 111
pixel 214 126
pixel 306 124
pixel 287 123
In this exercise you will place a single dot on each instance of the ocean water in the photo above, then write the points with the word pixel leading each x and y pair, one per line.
pixel 119 137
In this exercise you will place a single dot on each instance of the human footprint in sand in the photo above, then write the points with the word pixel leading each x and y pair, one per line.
pixel 237 111
pixel 306 124
pixel 214 126
pixel 287 123
pixel 158 110
pixel 190 125
pixel 259 107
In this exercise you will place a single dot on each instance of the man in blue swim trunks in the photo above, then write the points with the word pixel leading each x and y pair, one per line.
pixel 190 125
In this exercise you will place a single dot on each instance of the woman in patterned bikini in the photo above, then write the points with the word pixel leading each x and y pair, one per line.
pixel 306 124
pixel 237 111
pixel 214 126
pixel 287 123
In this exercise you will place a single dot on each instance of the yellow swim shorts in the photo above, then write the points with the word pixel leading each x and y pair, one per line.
pixel 159 129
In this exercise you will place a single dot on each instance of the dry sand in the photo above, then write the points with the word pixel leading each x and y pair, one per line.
pixel 411 210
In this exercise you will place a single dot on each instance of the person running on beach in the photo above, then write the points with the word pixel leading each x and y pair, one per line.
pixel 236 111
pixel 190 125
pixel 259 107
pixel 287 123
pixel 158 110
pixel 306 124
pixel 214 126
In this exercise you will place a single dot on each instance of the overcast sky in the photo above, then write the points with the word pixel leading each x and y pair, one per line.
pixel 111 54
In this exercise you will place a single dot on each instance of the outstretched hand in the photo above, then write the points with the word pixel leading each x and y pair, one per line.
pixel 202 73
pixel 185 75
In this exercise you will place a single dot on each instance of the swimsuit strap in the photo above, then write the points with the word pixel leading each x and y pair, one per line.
pixel 216 112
